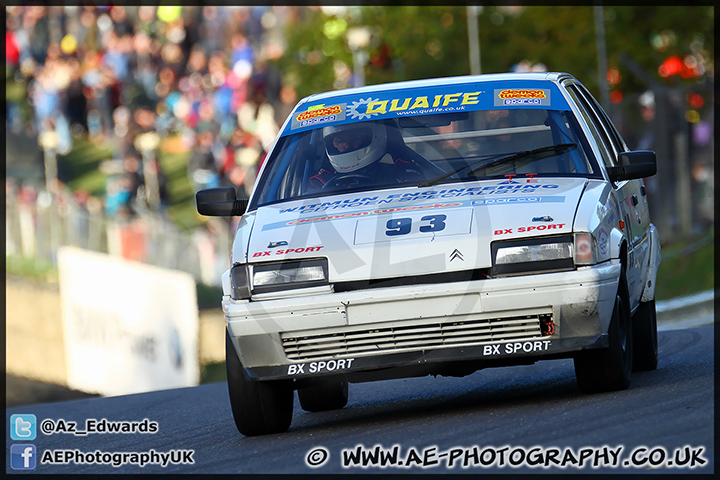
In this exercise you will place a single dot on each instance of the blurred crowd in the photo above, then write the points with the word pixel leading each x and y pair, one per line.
pixel 197 79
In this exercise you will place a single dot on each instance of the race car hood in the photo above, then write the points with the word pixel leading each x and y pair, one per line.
pixel 411 230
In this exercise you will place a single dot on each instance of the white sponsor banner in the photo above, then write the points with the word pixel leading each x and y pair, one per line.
pixel 129 327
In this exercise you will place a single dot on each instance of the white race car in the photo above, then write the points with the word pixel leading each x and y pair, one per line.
pixel 437 227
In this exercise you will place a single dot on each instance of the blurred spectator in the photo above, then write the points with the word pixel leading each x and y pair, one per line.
pixel 114 72
pixel 258 117
pixel 162 181
pixel 133 169
pixel 288 99
pixel 249 157
pixel 203 165
pixel 121 24
pixel 76 101
pixel 12 49
pixel 118 194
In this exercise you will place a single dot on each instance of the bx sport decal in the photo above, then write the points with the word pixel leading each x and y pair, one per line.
pixel 318 367
pixel 267 253
pixel 551 226
pixel 516 347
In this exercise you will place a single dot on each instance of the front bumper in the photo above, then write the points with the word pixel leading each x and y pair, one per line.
pixel 496 320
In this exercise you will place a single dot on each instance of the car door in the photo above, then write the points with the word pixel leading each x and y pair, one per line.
pixel 629 193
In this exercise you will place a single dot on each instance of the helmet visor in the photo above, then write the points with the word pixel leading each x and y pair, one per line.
pixel 348 140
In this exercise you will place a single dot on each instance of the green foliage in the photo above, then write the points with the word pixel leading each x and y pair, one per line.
pixel 684 271
pixel 181 197
pixel 432 41
pixel 32 268
pixel 82 166
pixel 213 372
pixel 208 296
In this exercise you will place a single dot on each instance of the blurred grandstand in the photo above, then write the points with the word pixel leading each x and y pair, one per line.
pixel 134 83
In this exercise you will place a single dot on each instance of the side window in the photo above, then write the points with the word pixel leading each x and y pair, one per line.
pixel 595 128
pixel 615 137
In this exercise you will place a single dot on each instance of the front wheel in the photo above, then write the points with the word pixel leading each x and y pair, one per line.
pixel 258 407
pixel 645 342
pixel 608 369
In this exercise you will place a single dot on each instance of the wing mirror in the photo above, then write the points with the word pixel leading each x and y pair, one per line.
pixel 220 202
pixel 633 165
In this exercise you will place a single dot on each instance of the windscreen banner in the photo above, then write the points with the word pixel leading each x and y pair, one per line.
pixel 430 99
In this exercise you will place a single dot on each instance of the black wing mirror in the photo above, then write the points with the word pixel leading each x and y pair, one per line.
pixel 633 165
pixel 220 202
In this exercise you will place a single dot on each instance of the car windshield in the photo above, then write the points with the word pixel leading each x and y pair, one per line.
pixel 425 150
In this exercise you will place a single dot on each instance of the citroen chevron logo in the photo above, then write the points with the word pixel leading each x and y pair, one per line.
pixel 456 254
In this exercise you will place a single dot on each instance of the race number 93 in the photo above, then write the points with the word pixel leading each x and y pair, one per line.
pixel 403 226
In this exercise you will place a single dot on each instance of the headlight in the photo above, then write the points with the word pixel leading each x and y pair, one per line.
pixel 271 277
pixel 529 255
pixel 542 254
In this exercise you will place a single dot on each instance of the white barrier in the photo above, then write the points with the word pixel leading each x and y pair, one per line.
pixel 128 327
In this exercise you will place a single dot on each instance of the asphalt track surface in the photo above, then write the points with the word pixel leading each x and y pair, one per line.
pixel 537 408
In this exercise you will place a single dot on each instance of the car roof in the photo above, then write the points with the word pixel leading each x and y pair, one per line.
pixel 434 82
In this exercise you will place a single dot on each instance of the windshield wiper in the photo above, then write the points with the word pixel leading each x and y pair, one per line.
pixel 493 161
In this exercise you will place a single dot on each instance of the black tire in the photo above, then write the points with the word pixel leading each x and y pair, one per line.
pixel 645 342
pixel 258 408
pixel 320 395
pixel 608 369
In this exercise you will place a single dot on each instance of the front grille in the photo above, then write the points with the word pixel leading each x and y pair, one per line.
pixel 354 342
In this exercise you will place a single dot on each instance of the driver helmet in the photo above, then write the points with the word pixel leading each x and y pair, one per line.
pixel 352 147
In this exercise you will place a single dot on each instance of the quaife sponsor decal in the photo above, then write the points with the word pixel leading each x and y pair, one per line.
pixel 419 102
pixel 522 97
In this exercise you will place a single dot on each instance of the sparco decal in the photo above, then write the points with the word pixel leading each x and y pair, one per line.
pixel 522 97
pixel 319 114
